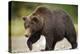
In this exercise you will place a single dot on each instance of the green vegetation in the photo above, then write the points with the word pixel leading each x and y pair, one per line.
pixel 17 27
pixel 76 27
pixel 19 9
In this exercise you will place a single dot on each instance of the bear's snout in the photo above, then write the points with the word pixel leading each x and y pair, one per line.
pixel 27 32
pixel 26 35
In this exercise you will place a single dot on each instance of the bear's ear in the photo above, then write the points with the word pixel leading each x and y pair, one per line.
pixel 35 20
pixel 42 10
pixel 24 18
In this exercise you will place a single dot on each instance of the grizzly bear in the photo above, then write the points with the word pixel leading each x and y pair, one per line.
pixel 53 24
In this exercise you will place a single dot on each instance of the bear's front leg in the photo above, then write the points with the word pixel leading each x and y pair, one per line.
pixel 29 43
pixel 49 43
pixel 32 40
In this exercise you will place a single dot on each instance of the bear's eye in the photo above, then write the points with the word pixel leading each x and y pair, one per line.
pixel 26 25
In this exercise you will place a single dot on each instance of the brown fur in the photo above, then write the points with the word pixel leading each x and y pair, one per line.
pixel 54 25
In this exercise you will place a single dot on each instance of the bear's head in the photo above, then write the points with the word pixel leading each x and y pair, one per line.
pixel 35 22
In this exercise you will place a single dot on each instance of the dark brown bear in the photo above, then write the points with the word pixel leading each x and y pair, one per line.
pixel 54 25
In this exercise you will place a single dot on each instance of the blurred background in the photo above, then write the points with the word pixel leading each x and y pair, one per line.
pixel 19 9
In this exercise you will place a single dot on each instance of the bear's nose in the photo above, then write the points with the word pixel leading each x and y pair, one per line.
pixel 26 35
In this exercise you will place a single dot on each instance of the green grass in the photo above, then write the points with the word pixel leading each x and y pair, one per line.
pixel 76 27
pixel 17 27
